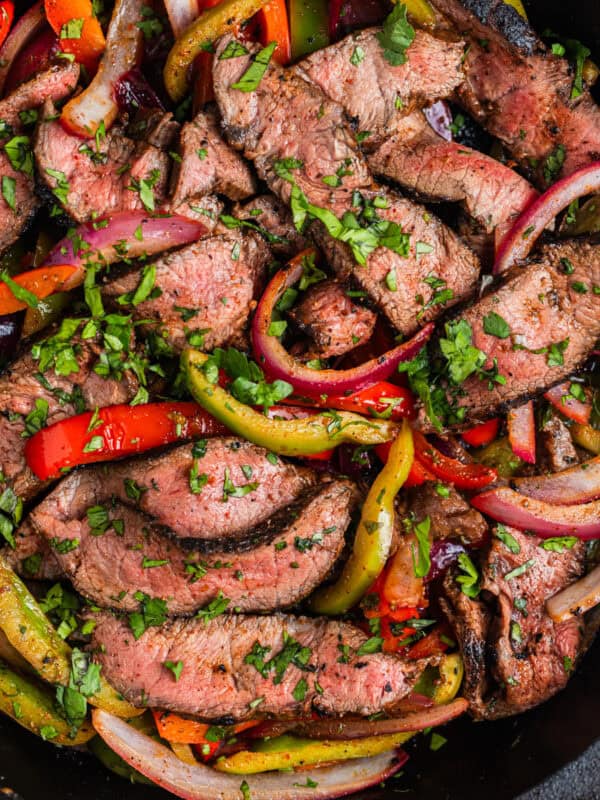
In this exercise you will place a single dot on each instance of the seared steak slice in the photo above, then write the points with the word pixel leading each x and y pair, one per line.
pixel 155 127
pixel 98 178
pixel 521 93
pixel 22 384
pixel 527 655
pixel 437 262
pixel 334 323
pixel 208 164
pixel 275 222
pixel 554 321
pixel 559 452
pixel 14 220
pixel 223 667
pixel 32 557
pixel 206 288
pixel 287 118
pixel 419 159
pixel 54 84
pixel 240 488
pixel 373 92
pixel 294 552
pixel 450 514
pixel 206 210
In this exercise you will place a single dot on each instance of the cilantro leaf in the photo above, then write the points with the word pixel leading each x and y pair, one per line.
pixel 396 36
pixel 251 78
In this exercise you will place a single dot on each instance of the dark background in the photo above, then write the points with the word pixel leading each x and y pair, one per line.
pixel 481 761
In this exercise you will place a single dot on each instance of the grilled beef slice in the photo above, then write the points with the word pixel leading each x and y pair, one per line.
pixel 55 83
pixel 94 178
pixel 373 92
pixel 208 164
pixel 515 655
pixel 558 450
pixel 291 553
pixel 223 514
pixel 546 310
pixel 206 287
pixel 32 556
pixel 520 92
pixel 22 384
pixel 450 514
pixel 419 159
pixel 224 667
pixel 331 319
pixel 275 223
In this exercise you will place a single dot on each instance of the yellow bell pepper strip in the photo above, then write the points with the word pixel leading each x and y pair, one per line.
pixel 420 11
pixel 587 437
pixel 209 26
pixel 295 437
pixel 34 707
pixel 30 633
pixel 286 752
pixel 374 534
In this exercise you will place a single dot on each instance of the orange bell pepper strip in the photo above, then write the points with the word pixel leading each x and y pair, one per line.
pixel 21 291
pixel 7 13
pixel 483 434
pixel 79 30
pixel 180 730
pixel 431 645
pixel 113 432
pixel 275 27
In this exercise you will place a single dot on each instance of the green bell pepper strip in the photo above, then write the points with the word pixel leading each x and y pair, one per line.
pixel 29 631
pixel 308 26
pixel 499 455
pixel 295 437
pixel 34 707
pixel 374 534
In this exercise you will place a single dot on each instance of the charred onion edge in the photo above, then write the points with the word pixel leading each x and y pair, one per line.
pixel 198 782
pixel 279 364
pixel 577 598
pixel 519 241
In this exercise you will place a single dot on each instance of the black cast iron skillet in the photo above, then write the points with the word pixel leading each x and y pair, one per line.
pixel 489 760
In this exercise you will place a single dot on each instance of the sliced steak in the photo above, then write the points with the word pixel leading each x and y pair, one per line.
pixel 92 178
pixel 373 92
pixel 275 223
pixel 206 288
pixel 419 159
pixel 553 319
pixel 295 550
pixel 206 210
pixel 241 487
pixel 526 654
pixel 155 127
pixel 520 92
pixel 208 164
pixel 437 261
pixel 450 514
pixel 333 322
pixel 32 557
pixel 54 84
pixel 15 216
pixel 288 118
pixel 22 384
pixel 558 449
pixel 223 673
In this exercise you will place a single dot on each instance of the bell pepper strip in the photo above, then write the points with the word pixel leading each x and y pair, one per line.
pixel 499 456
pixel 296 412
pixel 178 729
pixel 203 84
pixel 79 30
pixel 570 406
pixel 587 437
pixel 417 476
pixel 401 587
pixel 286 752
pixel 483 434
pixel 394 640
pixel 113 432
pixel 29 631
pixel 421 11
pixel 296 437
pixel 374 534
pixel 308 26
pixel 274 27
pixel 212 24
pixel 49 310
pixel 114 763
pixel 382 400
pixel 449 470
pixel 33 706
pixel 433 644
pixel 7 13
pixel 25 290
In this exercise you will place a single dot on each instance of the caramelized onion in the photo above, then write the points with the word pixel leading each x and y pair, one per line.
pixel 572 486
pixel 576 599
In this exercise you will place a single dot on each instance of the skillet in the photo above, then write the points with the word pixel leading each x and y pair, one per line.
pixel 499 759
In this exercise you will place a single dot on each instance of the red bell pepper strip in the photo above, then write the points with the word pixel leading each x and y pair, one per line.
pixel 417 475
pixel 115 431
pixel 26 289
pixel 449 470
pixel 431 645
pixel 79 30
pixel 7 13
pixel 483 434
pixel 370 401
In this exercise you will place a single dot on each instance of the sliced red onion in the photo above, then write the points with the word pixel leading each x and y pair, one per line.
pixel 133 92
pixel 181 14
pixel 279 364
pixel 576 599
pixel 519 241
pixel 11 326
pixel 521 431
pixel 439 117
pixel 443 554
pixel 24 29
pixel 129 234
pixel 198 782
pixel 573 486
pixel 528 514
pixel 568 405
